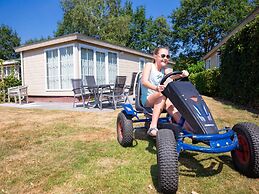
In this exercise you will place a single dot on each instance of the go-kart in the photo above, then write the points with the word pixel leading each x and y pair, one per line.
pixel 242 140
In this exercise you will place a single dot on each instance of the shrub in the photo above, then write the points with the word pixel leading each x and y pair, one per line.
pixel 196 68
pixel 207 82
pixel 7 82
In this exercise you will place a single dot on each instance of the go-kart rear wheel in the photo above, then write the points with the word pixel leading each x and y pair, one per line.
pixel 124 129
pixel 167 161
pixel 246 157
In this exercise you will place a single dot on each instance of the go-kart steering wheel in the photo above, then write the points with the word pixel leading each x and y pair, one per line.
pixel 169 75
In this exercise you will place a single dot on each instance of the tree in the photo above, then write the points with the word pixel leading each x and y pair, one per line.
pixel 147 34
pixel 35 40
pixel 8 40
pixel 199 25
pixel 159 34
pixel 102 19
pixel 137 29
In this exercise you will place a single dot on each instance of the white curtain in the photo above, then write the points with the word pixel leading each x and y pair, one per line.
pixel 112 65
pixel 66 67
pixel 87 63
pixel 52 69
pixel 100 68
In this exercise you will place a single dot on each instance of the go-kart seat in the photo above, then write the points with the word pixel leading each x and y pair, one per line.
pixel 148 111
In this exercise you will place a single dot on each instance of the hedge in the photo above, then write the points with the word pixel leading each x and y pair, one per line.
pixel 207 82
pixel 240 66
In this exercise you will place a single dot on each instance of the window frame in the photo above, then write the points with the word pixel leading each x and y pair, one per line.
pixel 208 63
pixel 218 60
pixel 45 62
pixel 102 50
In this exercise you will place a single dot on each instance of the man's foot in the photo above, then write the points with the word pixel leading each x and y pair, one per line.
pixel 152 131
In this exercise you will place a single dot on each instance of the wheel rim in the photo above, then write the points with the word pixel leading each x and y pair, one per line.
pixel 120 130
pixel 243 153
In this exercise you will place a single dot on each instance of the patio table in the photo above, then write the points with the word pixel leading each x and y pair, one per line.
pixel 96 90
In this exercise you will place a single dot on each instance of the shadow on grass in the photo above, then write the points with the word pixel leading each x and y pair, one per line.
pixel 227 160
pixel 195 167
pixel 151 145
pixel 154 172
pixel 239 107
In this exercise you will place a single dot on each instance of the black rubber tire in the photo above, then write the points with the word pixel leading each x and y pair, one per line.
pixel 246 158
pixel 124 129
pixel 167 161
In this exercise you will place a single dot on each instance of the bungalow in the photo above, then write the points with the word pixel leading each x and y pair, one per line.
pixel 212 58
pixel 11 66
pixel 47 67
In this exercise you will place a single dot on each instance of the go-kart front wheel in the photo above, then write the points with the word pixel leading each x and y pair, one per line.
pixel 167 161
pixel 246 157
pixel 124 129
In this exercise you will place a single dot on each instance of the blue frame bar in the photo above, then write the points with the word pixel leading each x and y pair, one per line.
pixel 219 143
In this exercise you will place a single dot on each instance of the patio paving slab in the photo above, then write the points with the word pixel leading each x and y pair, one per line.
pixel 57 106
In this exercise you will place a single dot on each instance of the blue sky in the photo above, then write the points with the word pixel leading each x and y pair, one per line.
pixel 39 18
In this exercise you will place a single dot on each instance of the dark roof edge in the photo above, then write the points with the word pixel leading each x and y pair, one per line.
pixel 249 18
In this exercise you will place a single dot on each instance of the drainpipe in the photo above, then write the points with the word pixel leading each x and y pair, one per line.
pixel 22 68
pixel 2 78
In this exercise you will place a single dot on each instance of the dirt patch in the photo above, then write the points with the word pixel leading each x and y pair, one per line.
pixel 109 164
pixel 103 135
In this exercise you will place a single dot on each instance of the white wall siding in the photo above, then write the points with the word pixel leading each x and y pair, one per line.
pixel 128 64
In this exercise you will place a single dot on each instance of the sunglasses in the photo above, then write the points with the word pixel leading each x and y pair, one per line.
pixel 167 56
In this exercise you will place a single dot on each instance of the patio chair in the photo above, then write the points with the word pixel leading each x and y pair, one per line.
pixel 129 89
pixel 92 87
pixel 79 92
pixel 114 95
pixel 90 82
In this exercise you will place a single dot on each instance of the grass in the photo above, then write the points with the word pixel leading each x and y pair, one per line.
pixel 71 152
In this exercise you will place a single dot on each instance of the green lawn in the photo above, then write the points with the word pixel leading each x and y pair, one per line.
pixel 71 152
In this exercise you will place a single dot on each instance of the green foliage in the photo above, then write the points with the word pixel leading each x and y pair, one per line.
pixel 137 27
pixel 109 21
pixel 207 82
pixel 8 40
pixel 196 67
pixel 198 25
pixel 35 40
pixel 159 34
pixel 240 69
pixel 97 18
pixel 7 82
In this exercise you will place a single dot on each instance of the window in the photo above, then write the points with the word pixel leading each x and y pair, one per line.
pixel 100 67
pixel 87 62
pixel 112 66
pixel 218 60
pixel 52 69
pixel 66 67
pixel 7 71
pixel 60 68
pixel 141 64
pixel 208 64
pixel 101 63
